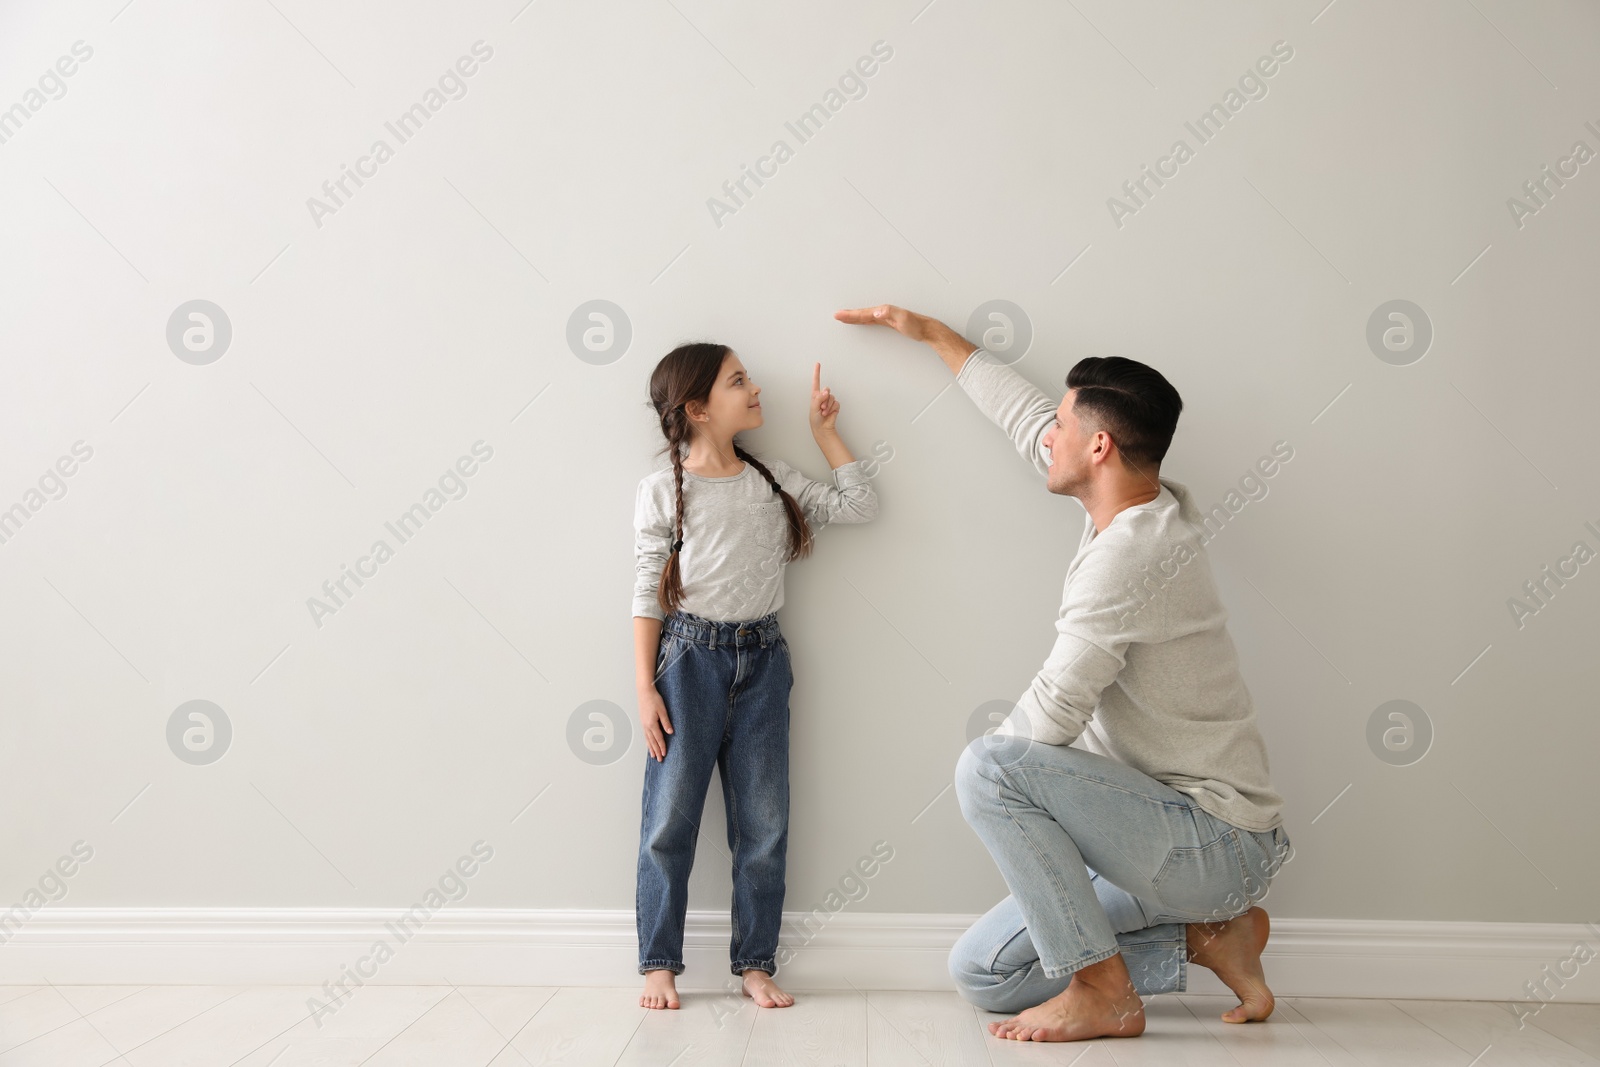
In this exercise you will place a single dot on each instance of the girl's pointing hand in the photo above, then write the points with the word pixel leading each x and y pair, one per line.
pixel 824 408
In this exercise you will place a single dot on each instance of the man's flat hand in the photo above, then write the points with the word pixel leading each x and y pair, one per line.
pixel 906 322
pixel 951 346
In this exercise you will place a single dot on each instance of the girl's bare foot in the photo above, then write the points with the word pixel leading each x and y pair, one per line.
pixel 660 990
pixel 759 987
pixel 1232 950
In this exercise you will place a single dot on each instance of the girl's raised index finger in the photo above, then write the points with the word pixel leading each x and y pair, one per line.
pixel 816 377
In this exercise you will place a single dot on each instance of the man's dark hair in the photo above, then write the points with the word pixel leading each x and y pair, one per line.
pixel 1131 402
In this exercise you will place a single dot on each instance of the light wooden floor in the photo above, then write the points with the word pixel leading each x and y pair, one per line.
pixel 502 1026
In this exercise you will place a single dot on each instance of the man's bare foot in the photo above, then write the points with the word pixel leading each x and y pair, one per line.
pixel 759 987
pixel 1100 1001
pixel 1232 950
pixel 660 990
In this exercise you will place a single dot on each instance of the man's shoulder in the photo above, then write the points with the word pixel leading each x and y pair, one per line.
pixel 1147 535
pixel 1171 516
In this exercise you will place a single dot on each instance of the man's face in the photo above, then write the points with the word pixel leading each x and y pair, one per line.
pixel 1076 453
pixel 1069 449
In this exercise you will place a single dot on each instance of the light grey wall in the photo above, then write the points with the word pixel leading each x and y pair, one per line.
pixel 372 346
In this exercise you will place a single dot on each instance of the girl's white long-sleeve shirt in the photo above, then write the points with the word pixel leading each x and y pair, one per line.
pixel 735 534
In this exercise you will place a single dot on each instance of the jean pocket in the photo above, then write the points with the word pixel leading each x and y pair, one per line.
pixel 783 651
pixel 1202 884
pixel 1265 852
pixel 670 651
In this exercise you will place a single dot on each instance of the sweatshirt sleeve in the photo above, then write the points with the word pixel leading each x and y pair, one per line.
pixel 1012 403
pixel 1099 619
pixel 852 497
pixel 652 540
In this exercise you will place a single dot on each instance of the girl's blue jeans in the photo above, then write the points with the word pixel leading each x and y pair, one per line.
pixel 1100 858
pixel 726 688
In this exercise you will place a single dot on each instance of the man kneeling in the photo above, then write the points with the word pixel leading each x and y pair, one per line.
pixel 1126 800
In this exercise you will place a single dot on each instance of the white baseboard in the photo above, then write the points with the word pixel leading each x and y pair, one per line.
pixel 868 950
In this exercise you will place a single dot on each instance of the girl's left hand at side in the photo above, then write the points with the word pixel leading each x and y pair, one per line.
pixel 824 407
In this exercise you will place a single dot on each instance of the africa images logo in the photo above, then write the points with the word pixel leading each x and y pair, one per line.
pixel 452 85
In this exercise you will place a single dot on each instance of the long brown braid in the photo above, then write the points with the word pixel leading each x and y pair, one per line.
pixel 685 374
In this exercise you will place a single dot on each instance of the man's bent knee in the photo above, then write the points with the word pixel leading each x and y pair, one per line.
pixel 982 768
pixel 983 762
pixel 977 984
pixel 969 780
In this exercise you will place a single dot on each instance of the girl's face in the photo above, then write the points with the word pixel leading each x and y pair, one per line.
pixel 734 403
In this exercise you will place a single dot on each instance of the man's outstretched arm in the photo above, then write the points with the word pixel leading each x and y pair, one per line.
pixel 1008 399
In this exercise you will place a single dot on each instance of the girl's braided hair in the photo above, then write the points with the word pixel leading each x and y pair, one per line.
pixel 685 374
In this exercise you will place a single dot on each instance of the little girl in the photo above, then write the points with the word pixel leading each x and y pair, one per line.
pixel 713 533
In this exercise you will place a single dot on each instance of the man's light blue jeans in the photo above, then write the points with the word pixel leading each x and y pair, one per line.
pixel 1100 858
